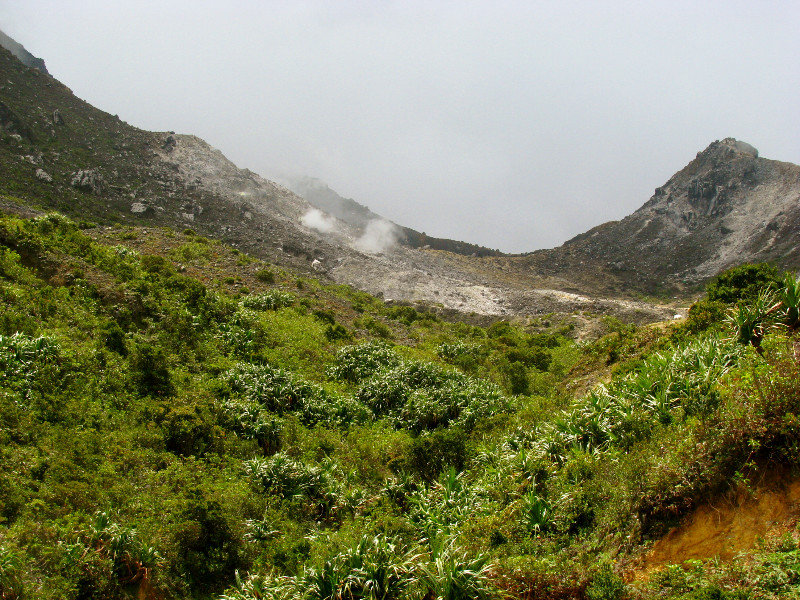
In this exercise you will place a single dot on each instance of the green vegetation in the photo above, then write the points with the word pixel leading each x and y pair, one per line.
pixel 164 435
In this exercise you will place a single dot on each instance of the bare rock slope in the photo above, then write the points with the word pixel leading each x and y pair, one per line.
pixel 726 207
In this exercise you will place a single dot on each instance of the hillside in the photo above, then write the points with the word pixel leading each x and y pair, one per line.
pixel 61 153
pixel 181 420
pixel 19 51
pixel 195 405
pixel 726 207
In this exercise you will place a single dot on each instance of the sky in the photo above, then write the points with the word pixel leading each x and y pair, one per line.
pixel 515 125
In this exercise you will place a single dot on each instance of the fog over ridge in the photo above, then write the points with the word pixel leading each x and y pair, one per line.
pixel 512 125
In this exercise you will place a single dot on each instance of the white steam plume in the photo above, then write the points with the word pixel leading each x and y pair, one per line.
pixel 316 219
pixel 378 237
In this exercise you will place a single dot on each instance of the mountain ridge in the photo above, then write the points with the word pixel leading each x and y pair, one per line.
pixel 21 53
pixel 62 153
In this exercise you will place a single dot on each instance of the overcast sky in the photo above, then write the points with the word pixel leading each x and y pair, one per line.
pixel 515 125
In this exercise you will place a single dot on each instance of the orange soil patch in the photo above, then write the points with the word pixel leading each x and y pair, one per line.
pixel 733 525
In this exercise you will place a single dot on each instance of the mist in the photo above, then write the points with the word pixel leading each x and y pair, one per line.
pixel 515 125
pixel 319 221
pixel 379 236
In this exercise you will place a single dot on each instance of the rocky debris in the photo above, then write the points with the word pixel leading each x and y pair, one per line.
pixel 169 143
pixel 138 208
pixel 43 175
pixel 88 180
pixel 190 210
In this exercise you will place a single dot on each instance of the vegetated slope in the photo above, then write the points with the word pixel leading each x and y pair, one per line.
pixel 726 207
pixel 173 411
pixel 60 152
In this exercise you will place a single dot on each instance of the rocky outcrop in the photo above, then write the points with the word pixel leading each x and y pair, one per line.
pixel 88 180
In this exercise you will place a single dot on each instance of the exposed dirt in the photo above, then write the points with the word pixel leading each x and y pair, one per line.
pixel 735 523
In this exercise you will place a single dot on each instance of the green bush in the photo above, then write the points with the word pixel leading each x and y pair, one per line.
pixel 192 251
pixel 376 327
pixel 189 430
pixel 20 354
pixel 606 585
pixel 433 452
pixel 208 549
pixel 114 338
pixel 150 371
pixel 280 392
pixel 336 332
pixel 704 314
pixel 286 477
pixel 422 396
pixel 743 283
pixel 355 363
pixel 265 276
pixel 326 316
pixel 272 300
pixel 515 375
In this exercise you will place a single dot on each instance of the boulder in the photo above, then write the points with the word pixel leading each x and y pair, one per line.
pixel 88 180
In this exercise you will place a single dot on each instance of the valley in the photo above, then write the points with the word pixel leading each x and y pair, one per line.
pixel 214 388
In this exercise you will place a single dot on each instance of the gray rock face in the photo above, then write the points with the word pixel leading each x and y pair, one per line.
pixel 169 143
pixel 726 207
pixel 43 175
pixel 88 180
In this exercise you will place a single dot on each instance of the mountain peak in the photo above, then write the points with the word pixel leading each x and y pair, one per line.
pixel 728 149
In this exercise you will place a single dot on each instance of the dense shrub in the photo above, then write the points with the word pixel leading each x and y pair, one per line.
pixel 208 549
pixel 421 396
pixel 516 377
pixel 355 363
pixel 743 282
pixel 433 452
pixel 336 332
pixel 265 276
pixel 279 392
pixel 189 430
pixel 20 354
pixel 625 411
pixel 462 354
pixel 272 300
pixel 150 371
pixel 704 314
